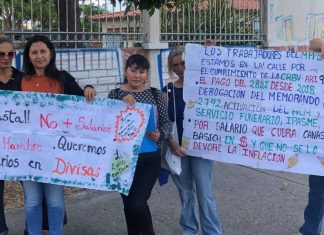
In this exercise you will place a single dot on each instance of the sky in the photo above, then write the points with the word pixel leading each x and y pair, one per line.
pixel 105 4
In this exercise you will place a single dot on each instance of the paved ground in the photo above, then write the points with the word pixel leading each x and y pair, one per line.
pixel 249 201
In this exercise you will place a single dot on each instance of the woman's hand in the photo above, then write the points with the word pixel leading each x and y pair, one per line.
pixel 210 42
pixel 322 50
pixel 89 93
pixel 317 44
pixel 129 99
pixel 176 148
pixel 153 135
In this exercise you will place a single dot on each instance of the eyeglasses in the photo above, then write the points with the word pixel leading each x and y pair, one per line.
pixel 181 63
pixel 9 54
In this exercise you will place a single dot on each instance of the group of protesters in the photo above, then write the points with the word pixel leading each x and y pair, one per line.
pixel 44 201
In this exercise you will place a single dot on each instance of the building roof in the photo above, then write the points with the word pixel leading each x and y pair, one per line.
pixel 114 15
pixel 245 4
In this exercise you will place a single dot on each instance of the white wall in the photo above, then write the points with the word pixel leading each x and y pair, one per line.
pixel 97 67
pixel 294 22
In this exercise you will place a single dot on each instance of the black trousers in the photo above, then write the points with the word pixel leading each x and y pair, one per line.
pixel 137 212
pixel 3 226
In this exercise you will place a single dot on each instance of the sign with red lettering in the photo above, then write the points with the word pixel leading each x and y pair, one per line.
pixel 62 139
pixel 259 108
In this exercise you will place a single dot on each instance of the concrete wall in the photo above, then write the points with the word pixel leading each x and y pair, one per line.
pixel 99 68
pixel 104 68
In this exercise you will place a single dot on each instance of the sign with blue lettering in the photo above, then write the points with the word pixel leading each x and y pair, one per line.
pixel 260 108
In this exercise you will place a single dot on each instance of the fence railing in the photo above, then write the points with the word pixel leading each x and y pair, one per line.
pixel 96 24
pixel 227 21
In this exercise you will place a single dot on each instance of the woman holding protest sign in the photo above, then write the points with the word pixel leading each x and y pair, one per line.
pixel 42 75
pixel 135 89
pixel 8 81
pixel 196 175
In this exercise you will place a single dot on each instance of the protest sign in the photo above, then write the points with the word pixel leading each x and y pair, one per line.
pixel 64 140
pixel 259 108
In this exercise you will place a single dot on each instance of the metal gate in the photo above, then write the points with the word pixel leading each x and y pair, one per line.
pixel 96 24
pixel 229 22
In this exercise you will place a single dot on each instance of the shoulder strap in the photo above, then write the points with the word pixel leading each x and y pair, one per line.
pixel 155 93
pixel 169 89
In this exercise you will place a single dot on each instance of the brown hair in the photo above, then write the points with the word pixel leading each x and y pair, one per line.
pixel 4 38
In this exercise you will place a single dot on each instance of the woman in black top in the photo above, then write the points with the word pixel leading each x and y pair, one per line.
pixel 136 209
pixel 8 74
pixel 8 81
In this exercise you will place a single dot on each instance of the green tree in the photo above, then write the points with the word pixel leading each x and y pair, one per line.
pixel 63 14
pixel 151 5
pixel 69 10
pixel 15 14
pixel 86 23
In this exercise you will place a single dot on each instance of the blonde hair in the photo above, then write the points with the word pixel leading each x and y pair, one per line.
pixel 174 52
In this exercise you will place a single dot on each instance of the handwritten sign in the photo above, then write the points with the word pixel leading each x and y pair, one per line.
pixel 64 140
pixel 260 108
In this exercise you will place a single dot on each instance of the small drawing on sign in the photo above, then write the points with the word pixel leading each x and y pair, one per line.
pixel 128 124
pixel 119 164
pixel 293 160
pixel 191 104
pixel 185 142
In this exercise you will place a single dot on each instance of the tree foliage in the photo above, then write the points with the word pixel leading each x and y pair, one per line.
pixel 16 14
pixel 45 14
pixel 150 5
pixel 86 23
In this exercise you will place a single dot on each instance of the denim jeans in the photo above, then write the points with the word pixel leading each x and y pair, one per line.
pixel 314 211
pixel 54 195
pixel 3 226
pixel 196 178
